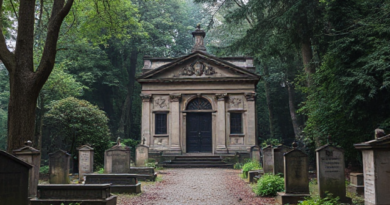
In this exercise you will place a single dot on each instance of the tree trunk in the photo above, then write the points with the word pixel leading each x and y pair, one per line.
pixel 131 71
pixel 40 113
pixel 268 97
pixel 293 112
pixel 307 57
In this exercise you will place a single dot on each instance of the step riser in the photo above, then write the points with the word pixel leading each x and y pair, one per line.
pixel 196 162
pixel 197 166
pixel 198 159
pixel 184 157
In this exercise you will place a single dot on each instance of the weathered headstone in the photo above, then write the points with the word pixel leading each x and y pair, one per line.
pixel 59 167
pixel 296 177
pixel 255 153
pixel 120 183
pixel 141 155
pixel 376 169
pixel 254 174
pixel 117 159
pixel 277 157
pixel 14 180
pixel 268 164
pixel 356 185
pixel 33 157
pixel 330 172
pixel 85 160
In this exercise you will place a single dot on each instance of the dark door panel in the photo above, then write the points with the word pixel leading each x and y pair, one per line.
pixel 199 131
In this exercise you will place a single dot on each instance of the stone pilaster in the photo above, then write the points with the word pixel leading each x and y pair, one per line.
pixel 174 137
pixel 221 123
pixel 251 119
pixel 145 121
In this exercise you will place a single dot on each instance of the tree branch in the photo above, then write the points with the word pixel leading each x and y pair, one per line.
pixel 13 8
pixel 6 56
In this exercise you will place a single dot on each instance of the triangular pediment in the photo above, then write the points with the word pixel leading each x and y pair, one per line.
pixel 198 66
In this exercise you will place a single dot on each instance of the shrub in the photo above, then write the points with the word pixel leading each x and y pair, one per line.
pixel 101 171
pixel 316 200
pixel 269 185
pixel 44 169
pixel 237 166
pixel 251 165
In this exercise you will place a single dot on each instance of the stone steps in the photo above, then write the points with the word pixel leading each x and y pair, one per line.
pixel 197 162
pixel 229 166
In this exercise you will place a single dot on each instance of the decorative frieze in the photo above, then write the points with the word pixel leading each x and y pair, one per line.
pixel 175 97
pixel 161 103
pixel 235 102
pixel 198 68
pixel 145 97
pixel 250 96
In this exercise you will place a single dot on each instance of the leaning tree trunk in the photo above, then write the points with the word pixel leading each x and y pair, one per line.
pixel 307 57
pixel 293 112
pixel 40 113
pixel 268 98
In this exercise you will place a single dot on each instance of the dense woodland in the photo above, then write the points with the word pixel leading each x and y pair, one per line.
pixel 324 64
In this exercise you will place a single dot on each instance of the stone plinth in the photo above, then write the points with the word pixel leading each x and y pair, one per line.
pixel 254 174
pixel 330 172
pixel 296 178
pixel 59 167
pixel 255 153
pixel 141 155
pixel 277 157
pixel 33 157
pixel 85 160
pixel 144 173
pixel 268 164
pixel 376 169
pixel 14 180
pixel 117 159
pixel 356 185
pixel 120 183
pixel 86 194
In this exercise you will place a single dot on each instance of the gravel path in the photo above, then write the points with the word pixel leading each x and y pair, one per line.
pixel 197 186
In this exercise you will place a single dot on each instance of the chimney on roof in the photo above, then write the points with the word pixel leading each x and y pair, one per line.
pixel 199 35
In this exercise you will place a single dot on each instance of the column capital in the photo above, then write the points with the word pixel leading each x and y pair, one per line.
pixel 250 96
pixel 145 97
pixel 175 97
pixel 221 96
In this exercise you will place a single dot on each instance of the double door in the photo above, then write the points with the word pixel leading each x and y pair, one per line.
pixel 199 132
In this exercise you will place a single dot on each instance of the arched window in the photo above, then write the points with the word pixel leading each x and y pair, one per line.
pixel 199 104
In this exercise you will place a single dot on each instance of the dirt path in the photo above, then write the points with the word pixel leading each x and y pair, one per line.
pixel 197 186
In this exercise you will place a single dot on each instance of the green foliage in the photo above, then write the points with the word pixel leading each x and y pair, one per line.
pixel 250 165
pixel 101 171
pixel 237 166
pixel 269 185
pixel 272 142
pixel 74 122
pixel 44 169
pixel 316 200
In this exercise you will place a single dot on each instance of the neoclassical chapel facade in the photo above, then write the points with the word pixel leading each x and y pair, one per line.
pixel 198 103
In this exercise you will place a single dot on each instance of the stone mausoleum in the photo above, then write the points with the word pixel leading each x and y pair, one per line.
pixel 198 103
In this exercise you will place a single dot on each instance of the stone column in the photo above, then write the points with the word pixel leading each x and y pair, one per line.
pixel 174 136
pixel 145 121
pixel 221 124
pixel 31 156
pixel 251 119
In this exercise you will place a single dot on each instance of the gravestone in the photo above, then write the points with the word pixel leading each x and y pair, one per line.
pixel 117 159
pixel 376 169
pixel 277 157
pixel 255 153
pixel 85 160
pixel 268 164
pixel 141 155
pixel 254 174
pixel 14 180
pixel 33 157
pixel 59 167
pixel 70 194
pixel 296 177
pixel 356 185
pixel 330 172
pixel 120 183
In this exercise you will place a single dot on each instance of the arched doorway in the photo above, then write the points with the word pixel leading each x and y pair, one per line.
pixel 199 126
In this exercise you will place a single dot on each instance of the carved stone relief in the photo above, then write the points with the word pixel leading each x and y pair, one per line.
pixel 161 103
pixel 198 68
pixel 236 102
pixel 236 141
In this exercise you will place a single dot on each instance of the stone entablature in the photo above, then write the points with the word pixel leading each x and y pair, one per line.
pixel 225 86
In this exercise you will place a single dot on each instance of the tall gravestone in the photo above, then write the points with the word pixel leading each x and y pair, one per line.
pixel 268 165
pixel 14 180
pixel 141 155
pixel 255 153
pixel 376 170
pixel 85 160
pixel 59 167
pixel 33 157
pixel 330 172
pixel 117 159
pixel 277 157
pixel 296 177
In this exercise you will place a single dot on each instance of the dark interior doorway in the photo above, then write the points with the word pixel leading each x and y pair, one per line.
pixel 199 132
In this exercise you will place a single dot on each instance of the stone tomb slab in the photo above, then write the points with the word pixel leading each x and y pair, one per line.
pixel 117 159
pixel 254 174
pixel 141 155
pixel 268 164
pixel 14 180
pixel 59 167
pixel 120 183
pixel 330 172
pixel 144 173
pixel 86 194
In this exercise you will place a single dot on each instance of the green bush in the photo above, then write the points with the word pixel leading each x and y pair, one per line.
pixel 251 165
pixel 44 169
pixel 316 200
pixel 101 171
pixel 237 166
pixel 269 185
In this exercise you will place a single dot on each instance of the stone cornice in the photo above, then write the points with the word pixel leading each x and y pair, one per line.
pixel 145 97
pixel 221 96
pixel 250 96
pixel 175 97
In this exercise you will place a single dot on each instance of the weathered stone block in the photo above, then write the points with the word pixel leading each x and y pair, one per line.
pixel 144 173
pixel 141 155
pixel 117 159
pixel 59 167
pixel 291 199
pixel 120 183
pixel 254 173
pixel 85 160
pixel 268 163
